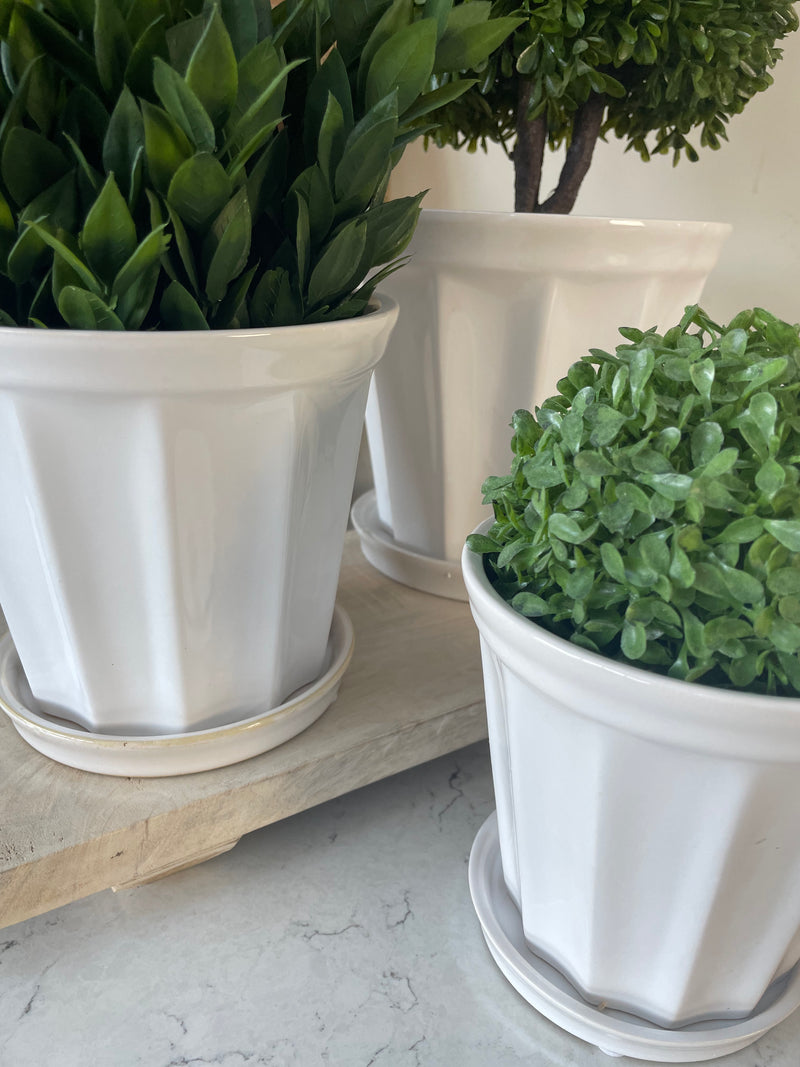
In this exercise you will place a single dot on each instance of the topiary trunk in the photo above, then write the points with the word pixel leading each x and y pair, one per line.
pixel 529 154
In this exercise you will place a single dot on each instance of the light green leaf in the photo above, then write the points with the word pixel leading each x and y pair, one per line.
pixel 183 106
pixel 70 258
pixel 465 49
pixel 212 72
pixel 786 531
pixel 166 145
pixel 403 63
pixel 634 640
pixel 134 286
pixel 83 310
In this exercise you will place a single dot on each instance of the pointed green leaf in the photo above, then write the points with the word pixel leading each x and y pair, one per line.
pixel 182 40
pixel 260 93
pixel 212 72
pixel 398 15
pixel 366 151
pixel 83 310
pixel 440 97
pixel 184 249
pixel 241 21
pixel 70 258
pixel 123 140
pixel 439 10
pixel 332 137
pixel 166 146
pixel 61 46
pixel 139 71
pixel 135 284
pixel 248 150
pixel 252 123
pixel 403 63
pixel 338 264
pixel 180 310
pixel 112 45
pixel 331 79
pixel 108 237
pixel 353 21
pixel 312 187
pixel 390 227
pixel 465 49
pixel 183 106
pixel 30 164
pixel 199 190
pixel 233 228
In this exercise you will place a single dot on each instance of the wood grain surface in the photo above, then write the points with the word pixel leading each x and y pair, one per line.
pixel 413 692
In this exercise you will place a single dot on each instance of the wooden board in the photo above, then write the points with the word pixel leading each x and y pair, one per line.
pixel 413 692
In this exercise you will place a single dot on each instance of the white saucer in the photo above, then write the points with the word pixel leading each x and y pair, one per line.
pixel 168 754
pixel 442 577
pixel 616 1033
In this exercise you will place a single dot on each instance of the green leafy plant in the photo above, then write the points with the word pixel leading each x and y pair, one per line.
pixel 652 511
pixel 576 70
pixel 180 165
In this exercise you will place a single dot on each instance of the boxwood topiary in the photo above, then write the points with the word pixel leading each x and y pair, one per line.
pixel 652 511
pixel 175 164
pixel 648 71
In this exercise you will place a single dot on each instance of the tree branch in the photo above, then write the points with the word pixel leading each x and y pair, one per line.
pixel 585 131
pixel 528 152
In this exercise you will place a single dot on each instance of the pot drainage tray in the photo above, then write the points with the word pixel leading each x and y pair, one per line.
pixel 155 756
pixel 617 1033
pixel 442 577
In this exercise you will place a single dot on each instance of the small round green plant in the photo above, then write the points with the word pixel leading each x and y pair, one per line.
pixel 648 71
pixel 652 511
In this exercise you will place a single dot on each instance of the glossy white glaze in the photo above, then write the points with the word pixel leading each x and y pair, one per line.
pixel 160 755
pixel 494 309
pixel 649 828
pixel 175 507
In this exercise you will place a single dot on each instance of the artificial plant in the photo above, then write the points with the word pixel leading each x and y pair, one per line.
pixel 652 511
pixel 181 165
pixel 648 71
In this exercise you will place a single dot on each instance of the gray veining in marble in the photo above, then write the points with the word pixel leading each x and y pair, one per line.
pixel 343 936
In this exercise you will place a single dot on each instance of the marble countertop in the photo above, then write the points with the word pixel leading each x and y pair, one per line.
pixel 341 936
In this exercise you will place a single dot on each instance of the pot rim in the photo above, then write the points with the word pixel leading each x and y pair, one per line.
pixel 585 222
pixel 380 307
pixel 668 710
pixel 190 362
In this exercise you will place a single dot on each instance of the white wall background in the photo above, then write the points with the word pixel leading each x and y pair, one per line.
pixel 753 181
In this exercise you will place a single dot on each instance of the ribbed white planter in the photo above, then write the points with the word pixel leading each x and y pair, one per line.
pixel 174 511
pixel 494 309
pixel 649 829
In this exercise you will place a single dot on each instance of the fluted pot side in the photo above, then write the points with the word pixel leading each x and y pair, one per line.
pixel 656 868
pixel 494 310
pixel 175 511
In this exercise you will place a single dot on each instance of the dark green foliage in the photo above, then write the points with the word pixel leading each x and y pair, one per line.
pixel 652 512
pixel 181 165
pixel 662 69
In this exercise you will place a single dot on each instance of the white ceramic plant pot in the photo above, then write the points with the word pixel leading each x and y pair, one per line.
pixel 649 829
pixel 494 309
pixel 174 512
